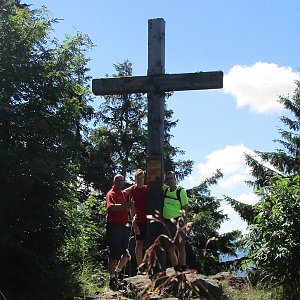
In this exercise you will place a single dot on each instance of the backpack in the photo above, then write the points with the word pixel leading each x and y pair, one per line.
pixel 177 195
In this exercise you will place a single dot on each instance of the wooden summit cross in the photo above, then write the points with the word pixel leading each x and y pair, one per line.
pixel 155 84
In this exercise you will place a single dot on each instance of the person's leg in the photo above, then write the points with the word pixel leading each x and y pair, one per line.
pixel 125 234
pixel 112 263
pixel 172 256
pixel 113 280
pixel 122 262
pixel 180 246
pixel 171 249
pixel 114 245
pixel 139 252
pixel 181 255
pixel 139 245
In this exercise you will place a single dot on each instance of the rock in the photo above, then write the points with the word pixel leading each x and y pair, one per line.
pixel 222 276
pixel 205 286
pixel 170 283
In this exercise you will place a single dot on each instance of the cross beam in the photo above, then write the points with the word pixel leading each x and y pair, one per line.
pixel 155 84
pixel 158 83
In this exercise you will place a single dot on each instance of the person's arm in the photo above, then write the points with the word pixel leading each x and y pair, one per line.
pixel 185 209
pixel 129 189
pixel 134 217
pixel 135 226
pixel 185 202
pixel 117 206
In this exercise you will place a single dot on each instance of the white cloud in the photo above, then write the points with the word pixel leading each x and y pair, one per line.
pixel 230 160
pixel 233 180
pixel 260 85
pixel 247 198
pixel 228 209
pixel 234 221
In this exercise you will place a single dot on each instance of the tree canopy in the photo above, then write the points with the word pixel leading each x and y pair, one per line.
pixel 118 143
pixel 205 246
pixel 43 102
pixel 273 240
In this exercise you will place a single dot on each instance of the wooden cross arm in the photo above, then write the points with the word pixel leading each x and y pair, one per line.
pixel 158 83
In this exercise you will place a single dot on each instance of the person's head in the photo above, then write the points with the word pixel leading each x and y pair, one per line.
pixel 119 181
pixel 139 177
pixel 170 179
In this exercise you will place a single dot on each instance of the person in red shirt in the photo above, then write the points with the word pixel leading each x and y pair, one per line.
pixel 117 231
pixel 138 194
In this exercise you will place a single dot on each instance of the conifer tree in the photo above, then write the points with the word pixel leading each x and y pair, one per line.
pixel 119 140
pixel 205 246
pixel 284 161
pixel 273 238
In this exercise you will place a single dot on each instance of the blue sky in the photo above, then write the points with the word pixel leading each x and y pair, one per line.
pixel 255 43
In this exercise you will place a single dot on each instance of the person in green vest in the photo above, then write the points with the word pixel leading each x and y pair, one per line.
pixel 175 212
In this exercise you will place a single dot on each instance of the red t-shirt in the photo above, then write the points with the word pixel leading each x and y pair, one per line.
pixel 116 196
pixel 139 196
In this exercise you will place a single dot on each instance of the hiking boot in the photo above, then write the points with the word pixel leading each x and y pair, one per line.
pixel 141 271
pixel 180 268
pixel 120 275
pixel 177 268
pixel 183 268
pixel 113 284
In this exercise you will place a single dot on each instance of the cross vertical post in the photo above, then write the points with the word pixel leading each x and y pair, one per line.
pixel 156 115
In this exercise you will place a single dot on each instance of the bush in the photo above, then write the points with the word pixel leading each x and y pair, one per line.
pixel 274 238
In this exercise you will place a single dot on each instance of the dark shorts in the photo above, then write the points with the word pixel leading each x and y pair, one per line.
pixel 170 230
pixel 117 239
pixel 143 230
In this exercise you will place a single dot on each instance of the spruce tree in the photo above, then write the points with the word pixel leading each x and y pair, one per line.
pixel 284 161
pixel 205 246
pixel 119 139
pixel 273 239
